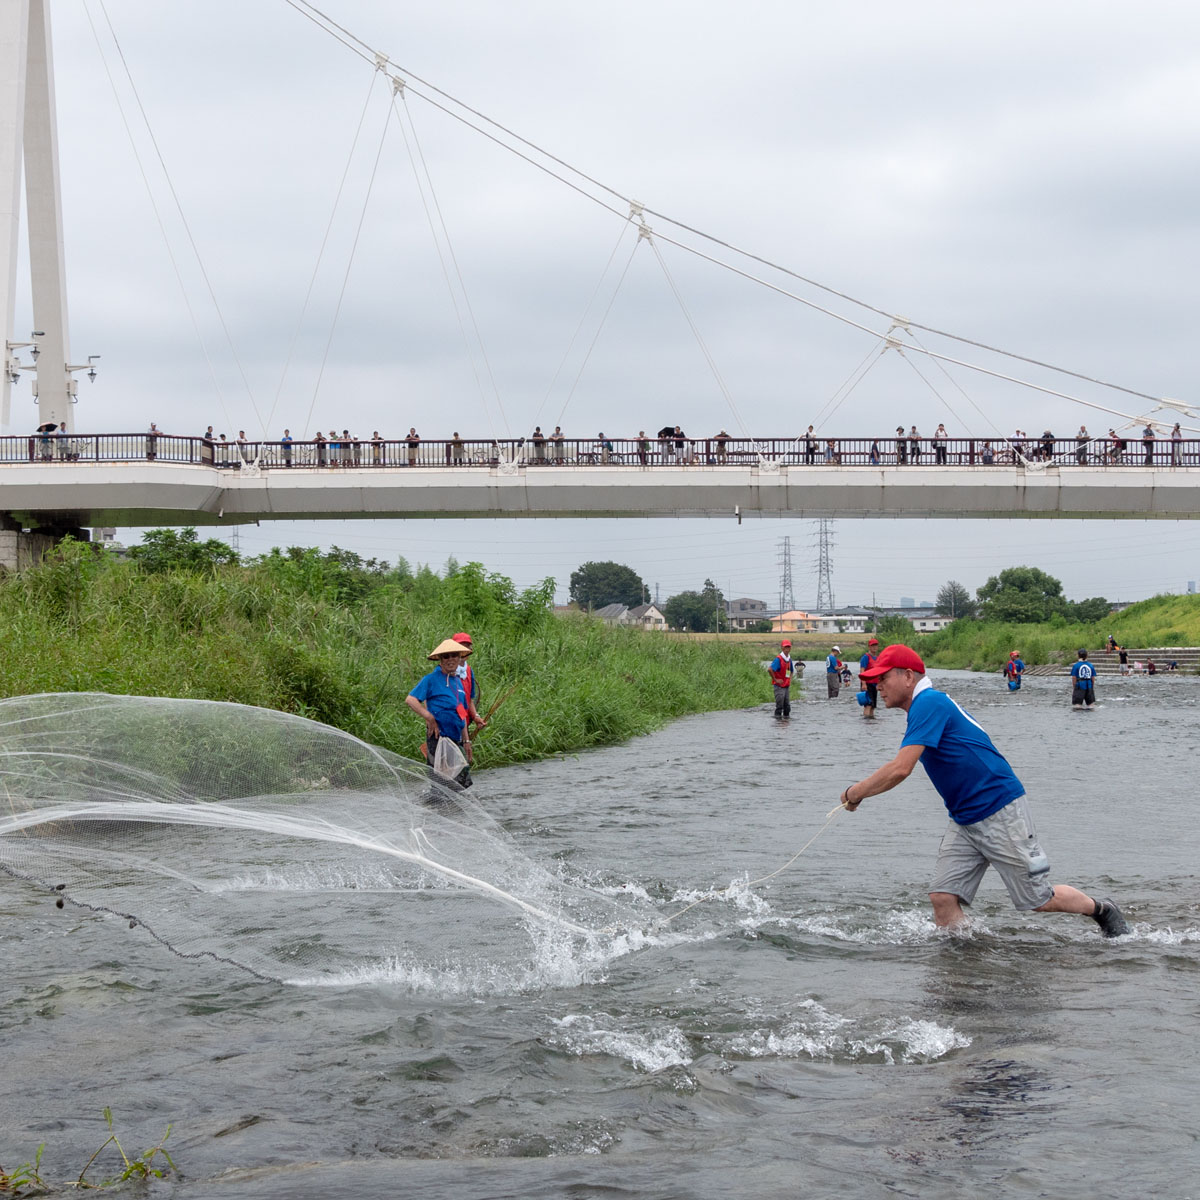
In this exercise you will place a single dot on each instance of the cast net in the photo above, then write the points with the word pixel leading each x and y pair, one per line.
pixel 278 845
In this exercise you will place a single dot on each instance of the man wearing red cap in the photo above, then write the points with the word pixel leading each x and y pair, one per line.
pixel 781 668
pixel 990 821
pixel 864 664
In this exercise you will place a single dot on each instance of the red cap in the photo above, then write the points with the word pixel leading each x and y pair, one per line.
pixel 873 642
pixel 464 638
pixel 893 656
pixel 787 644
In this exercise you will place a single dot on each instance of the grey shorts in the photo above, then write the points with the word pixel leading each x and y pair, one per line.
pixel 1007 841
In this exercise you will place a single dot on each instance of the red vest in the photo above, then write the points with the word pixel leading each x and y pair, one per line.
pixel 783 676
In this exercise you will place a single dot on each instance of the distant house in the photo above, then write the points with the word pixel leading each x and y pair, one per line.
pixel 794 621
pixel 612 614
pixel 744 612
pixel 842 622
pixel 645 616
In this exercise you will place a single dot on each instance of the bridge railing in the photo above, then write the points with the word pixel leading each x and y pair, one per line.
pixel 665 452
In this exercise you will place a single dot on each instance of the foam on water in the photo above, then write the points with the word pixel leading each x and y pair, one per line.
pixel 585 1033
pixel 819 1034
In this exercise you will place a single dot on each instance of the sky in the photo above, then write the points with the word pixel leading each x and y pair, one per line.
pixel 296 247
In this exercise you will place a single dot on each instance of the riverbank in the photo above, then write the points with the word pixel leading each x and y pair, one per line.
pixel 1162 621
pixel 342 642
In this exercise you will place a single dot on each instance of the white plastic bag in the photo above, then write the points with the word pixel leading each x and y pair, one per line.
pixel 448 759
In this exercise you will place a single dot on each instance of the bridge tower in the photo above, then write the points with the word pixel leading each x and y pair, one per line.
pixel 29 139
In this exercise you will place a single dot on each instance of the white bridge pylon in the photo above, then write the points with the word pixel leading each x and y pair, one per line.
pixel 29 140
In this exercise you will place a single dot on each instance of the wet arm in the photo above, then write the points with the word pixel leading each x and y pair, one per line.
pixel 885 778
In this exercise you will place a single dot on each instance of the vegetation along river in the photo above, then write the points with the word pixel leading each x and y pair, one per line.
pixel 811 1035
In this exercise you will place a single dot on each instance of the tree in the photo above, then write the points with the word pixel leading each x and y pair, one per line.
pixel 895 628
pixel 596 584
pixel 167 550
pixel 1021 595
pixel 688 611
pixel 955 601
pixel 715 600
pixel 1094 609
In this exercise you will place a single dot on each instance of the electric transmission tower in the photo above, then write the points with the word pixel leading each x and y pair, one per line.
pixel 787 597
pixel 825 602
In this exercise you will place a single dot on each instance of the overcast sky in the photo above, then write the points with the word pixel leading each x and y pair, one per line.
pixel 1025 176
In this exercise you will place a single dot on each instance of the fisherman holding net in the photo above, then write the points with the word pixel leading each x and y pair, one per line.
pixel 441 701
pixel 990 821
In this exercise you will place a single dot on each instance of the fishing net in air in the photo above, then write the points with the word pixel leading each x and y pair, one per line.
pixel 276 844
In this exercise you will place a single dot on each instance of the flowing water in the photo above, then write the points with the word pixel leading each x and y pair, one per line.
pixel 810 1035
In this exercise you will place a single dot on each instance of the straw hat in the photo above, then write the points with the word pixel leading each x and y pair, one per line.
pixel 449 646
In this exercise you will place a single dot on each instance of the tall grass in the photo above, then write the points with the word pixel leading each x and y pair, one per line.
pixel 977 645
pixel 346 647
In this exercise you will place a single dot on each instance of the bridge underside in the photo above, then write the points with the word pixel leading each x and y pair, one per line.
pixel 64 495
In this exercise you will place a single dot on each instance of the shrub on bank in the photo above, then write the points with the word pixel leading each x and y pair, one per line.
pixel 329 637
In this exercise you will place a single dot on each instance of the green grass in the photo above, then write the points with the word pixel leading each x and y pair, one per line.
pixel 345 647
pixel 984 646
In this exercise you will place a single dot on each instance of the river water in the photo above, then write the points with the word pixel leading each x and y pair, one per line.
pixel 810 1035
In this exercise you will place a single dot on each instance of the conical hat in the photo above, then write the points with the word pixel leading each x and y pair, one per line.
pixel 449 646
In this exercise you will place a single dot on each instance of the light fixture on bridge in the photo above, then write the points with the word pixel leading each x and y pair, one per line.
pixel 92 367
pixel 37 333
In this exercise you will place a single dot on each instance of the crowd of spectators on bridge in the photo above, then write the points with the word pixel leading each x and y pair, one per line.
pixel 668 446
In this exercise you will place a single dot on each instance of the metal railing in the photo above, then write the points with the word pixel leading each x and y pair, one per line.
pixel 675 452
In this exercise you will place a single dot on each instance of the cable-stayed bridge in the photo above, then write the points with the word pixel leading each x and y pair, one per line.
pixel 142 480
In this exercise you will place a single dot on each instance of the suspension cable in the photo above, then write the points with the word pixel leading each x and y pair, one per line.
pixel 361 48
pixel 183 218
pixel 317 266
pixel 400 89
pixel 362 216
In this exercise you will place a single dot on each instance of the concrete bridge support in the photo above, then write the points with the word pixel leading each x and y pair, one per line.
pixel 21 548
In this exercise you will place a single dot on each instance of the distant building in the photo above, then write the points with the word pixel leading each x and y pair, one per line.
pixel 611 614
pixel 794 621
pixel 642 616
pixel 744 612
pixel 645 616
pixel 907 602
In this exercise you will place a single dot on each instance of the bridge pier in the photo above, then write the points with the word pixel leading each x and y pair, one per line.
pixel 21 548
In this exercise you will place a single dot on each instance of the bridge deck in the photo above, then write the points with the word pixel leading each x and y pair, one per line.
pixel 144 493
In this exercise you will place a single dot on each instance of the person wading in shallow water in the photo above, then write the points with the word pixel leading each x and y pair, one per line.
pixel 864 664
pixel 781 669
pixel 990 821
pixel 440 700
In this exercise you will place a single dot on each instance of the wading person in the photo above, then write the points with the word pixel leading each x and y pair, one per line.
pixel 1013 670
pixel 781 669
pixel 990 821
pixel 440 700
pixel 466 673
pixel 1083 690
pixel 865 664
pixel 833 673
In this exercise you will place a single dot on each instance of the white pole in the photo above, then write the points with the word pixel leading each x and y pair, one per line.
pixel 14 37
pixel 43 202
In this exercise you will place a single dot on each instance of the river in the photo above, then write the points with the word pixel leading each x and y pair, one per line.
pixel 811 1035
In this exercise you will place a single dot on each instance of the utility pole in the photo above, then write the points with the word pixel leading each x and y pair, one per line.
pixel 787 597
pixel 825 539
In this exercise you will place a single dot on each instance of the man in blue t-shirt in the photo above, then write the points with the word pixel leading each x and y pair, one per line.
pixel 990 821
pixel 833 673
pixel 1084 689
pixel 440 700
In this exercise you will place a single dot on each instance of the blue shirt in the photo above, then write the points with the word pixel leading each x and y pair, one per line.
pixel 866 660
pixel 446 700
pixel 831 665
pixel 1084 673
pixel 972 777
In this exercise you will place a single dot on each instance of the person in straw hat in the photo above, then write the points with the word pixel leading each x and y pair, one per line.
pixel 441 701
